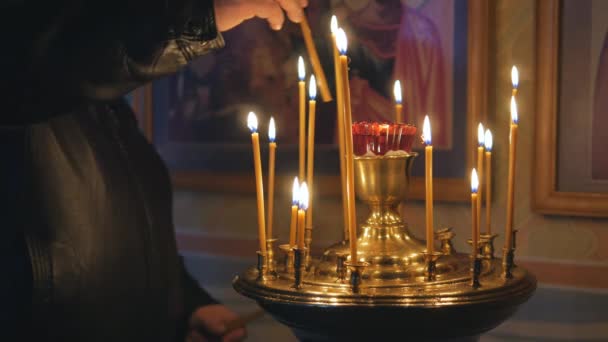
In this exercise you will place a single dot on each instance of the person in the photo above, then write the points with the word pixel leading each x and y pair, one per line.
pixel 87 248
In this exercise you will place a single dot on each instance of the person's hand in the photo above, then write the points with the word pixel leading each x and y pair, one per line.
pixel 230 13
pixel 208 324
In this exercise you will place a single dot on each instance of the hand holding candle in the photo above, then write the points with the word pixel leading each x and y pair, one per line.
pixel 295 201
pixel 511 180
pixel 480 174
pixel 272 147
pixel 398 102
pixel 302 133
pixel 474 209
pixel 252 123
pixel 312 93
pixel 428 154
pixel 488 177
pixel 302 206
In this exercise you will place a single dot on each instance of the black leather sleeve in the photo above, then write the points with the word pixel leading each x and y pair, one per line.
pixel 59 54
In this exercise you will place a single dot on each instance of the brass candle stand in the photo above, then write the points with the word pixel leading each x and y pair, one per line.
pixel 394 288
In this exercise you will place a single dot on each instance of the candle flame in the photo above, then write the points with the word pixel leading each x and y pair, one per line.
pixel 333 24
pixel 303 194
pixel 397 91
pixel 514 77
pixel 252 122
pixel 488 140
pixel 474 181
pixel 480 135
pixel 514 116
pixel 272 131
pixel 312 87
pixel 426 131
pixel 295 192
pixel 301 69
pixel 341 41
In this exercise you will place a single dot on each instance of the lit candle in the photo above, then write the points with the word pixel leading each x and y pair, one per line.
pixel 302 206
pixel 252 123
pixel 398 104
pixel 348 138
pixel 428 154
pixel 302 134
pixel 480 151
pixel 474 209
pixel 312 93
pixel 488 177
pixel 514 80
pixel 295 200
pixel 511 180
pixel 340 121
pixel 272 147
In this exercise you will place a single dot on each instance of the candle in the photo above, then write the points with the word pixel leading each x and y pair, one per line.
pixel 474 209
pixel 302 137
pixel 488 177
pixel 312 93
pixel 340 121
pixel 398 104
pixel 314 59
pixel 514 80
pixel 511 180
pixel 295 200
pixel 272 147
pixel 302 206
pixel 480 152
pixel 428 154
pixel 348 138
pixel 252 123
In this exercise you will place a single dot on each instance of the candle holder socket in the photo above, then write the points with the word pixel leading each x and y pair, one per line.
pixel 287 249
pixel 430 271
pixel 270 257
pixel 475 271
pixel 356 274
pixel 507 262
pixel 486 241
pixel 479 245
pixel 299 267
pixel 341 269
pixel 262 267
pixel 514 247
pixel 445 236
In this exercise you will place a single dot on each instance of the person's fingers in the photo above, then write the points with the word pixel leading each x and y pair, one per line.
pixel 271 11
pixel 293 8
pixel 304 3
pixel 235 335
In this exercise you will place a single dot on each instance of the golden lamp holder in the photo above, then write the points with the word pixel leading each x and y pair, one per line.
pixel 394 287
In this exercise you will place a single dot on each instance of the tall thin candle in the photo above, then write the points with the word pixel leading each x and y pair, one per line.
pixel 312 103
pixel 295 201
pixel 302 132
pixel 340 121
pixel 480 173
pixel 488 141
pixel 272 148
pixel 474 209
pixel 428 154
pixel 302 206
pixel 511 179
pixel 398 102
pixel 348 137
pixel 252 123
